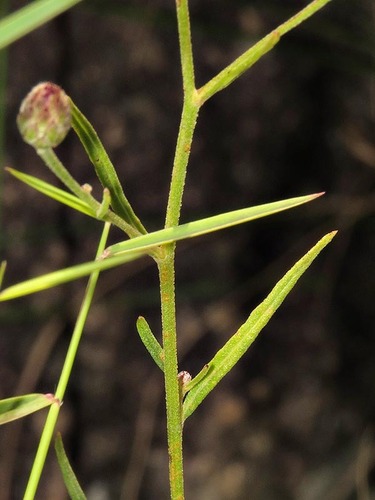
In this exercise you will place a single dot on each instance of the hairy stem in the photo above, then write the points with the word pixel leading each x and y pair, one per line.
pixel 166 265
pixel 172 393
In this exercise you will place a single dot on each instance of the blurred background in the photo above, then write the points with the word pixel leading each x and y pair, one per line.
pixel 294 419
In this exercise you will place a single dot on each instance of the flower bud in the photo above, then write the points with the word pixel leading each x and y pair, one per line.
pixel 45 117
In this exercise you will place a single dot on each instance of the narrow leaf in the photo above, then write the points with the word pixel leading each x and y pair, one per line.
pixel 135 248
pixel 70 480
pixel 65 275
pixel 104 168
pixel 237 345
pixel 208 225
pixel 3 266
pixel 254 53
pixel 53 192
pixel 20 406
pixel 27 19
pixel 150 342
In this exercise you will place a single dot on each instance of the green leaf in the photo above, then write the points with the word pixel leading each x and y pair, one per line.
pixel 208 225
pixel 65 275
pixel 150 342
pixel 3 266
pixel 70 480
pixel 27 19
pixel 20 406
pixel 104 168
pixel 135 248
pixel 53 192
pixel 238 344
pixel 246 60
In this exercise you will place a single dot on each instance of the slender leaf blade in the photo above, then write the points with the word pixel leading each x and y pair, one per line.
pixel 27 19
pixel 208 225
pixel 245 61
pixel 53 192
pixel 238 344
pixel 150 342
pixel 70 480
pixel 135 248
pixel 20 406
pixel 61 276
pixel 104 168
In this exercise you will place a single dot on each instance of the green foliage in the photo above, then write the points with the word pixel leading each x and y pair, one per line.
pixel 235 348
pixel 183 395
pixel 129 250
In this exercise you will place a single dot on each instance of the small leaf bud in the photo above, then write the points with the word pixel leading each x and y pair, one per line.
pixel 45 117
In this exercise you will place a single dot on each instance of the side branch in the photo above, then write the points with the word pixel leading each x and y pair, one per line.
pixel 254 53
pixel 186 51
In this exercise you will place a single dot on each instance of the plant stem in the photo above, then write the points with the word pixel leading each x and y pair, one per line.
pixel 186 51
pixel 53 413
pixel 184 140
pixel 172 392
pixel 166 265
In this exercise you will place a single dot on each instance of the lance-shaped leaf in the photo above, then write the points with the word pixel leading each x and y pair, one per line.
pixel 254 53
pixel 104 168
pixel 135 248
pixel 27 19
pixel 70 480
pixel 20 406
pixel 238 344
pixel 55 278
pixel 53 192
pixel 150 342
pixel 208 225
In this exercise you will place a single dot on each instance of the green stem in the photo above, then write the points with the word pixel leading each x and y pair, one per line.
pixel 184 141
pixel 186 50
pixel 172 391
pixel 166 265
pixel 53 413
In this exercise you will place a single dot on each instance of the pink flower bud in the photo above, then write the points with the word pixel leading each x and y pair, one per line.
pixel 45 118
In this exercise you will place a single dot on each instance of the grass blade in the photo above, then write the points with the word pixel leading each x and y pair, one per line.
pixel 238 344
pixel 20 406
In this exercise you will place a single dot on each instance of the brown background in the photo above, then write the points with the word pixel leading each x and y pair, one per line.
pixel 294 419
